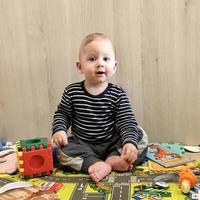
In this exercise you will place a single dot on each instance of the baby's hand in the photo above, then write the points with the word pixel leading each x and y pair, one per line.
pixel 130 152
pixel 60 138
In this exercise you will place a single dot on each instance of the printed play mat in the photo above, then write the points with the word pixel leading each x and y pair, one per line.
pixel 134 185
pixel 117 186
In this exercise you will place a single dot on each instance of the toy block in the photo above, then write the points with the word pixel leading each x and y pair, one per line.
pixel 35 157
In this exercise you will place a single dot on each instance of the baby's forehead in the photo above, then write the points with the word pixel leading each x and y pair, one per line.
pixel 95 43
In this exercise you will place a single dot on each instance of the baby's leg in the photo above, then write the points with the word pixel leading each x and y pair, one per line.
pixel 119 163
pixel 99 170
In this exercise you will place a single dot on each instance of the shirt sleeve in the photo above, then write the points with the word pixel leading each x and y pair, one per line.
pixel 125 121
pixel 62 116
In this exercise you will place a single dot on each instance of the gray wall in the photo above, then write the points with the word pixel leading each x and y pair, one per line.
pixel 157 45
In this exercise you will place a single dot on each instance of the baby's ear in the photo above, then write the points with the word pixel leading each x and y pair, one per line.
pixel 78 66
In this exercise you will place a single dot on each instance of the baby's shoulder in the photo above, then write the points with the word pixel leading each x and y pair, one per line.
pixel 116 88
pixel 73 86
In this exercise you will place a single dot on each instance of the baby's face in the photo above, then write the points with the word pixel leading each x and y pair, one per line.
pixel 97 61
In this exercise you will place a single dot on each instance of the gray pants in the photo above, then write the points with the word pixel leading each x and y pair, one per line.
pixel 79 155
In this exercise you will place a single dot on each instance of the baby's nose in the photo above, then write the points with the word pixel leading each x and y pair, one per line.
pixel 100 63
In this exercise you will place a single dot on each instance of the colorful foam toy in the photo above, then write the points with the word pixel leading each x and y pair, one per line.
pixel 35 157
pixel 187 179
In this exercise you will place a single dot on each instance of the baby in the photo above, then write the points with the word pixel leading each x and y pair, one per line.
pixel 104 133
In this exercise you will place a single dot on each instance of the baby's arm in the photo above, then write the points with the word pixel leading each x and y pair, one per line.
pixel 130 152
pixel 60 138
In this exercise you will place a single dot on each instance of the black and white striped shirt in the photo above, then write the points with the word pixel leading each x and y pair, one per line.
pixel 96 118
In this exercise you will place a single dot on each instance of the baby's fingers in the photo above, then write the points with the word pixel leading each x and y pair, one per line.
pixel 58 141
pixel 65 141
pixel 131 156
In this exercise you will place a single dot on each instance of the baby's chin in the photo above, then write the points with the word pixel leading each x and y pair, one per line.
pixel 102 80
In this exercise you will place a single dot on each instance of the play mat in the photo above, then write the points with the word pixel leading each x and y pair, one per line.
pixel 136 184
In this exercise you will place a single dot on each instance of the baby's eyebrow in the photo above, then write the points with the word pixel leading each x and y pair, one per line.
pixel 95 54
pixel 108 54
pixel 91 54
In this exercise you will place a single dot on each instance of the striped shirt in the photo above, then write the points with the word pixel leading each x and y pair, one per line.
pixel 96 118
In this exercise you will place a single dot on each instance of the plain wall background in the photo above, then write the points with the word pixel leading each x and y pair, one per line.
pixel 157 45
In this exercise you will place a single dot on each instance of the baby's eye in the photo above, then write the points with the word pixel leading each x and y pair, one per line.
pixel 106 59
pixel 91 59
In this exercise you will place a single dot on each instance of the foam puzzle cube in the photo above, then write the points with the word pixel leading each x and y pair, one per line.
pixel 35 157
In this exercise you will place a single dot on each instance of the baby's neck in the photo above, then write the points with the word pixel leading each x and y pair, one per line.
pixel 95 89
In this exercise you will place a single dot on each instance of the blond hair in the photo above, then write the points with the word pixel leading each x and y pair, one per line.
pixel 91 37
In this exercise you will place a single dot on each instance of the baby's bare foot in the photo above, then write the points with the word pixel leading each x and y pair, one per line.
pixel 119 163
pixel 99 170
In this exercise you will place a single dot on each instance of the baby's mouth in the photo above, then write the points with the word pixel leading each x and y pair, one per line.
pixel 100 72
